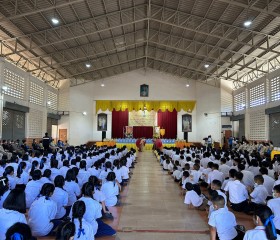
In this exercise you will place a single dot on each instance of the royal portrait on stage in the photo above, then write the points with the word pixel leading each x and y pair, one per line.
pixel 186 123
pixel 144 90
pixel 102 122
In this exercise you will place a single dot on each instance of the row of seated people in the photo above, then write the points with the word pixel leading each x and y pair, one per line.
pixel 235 180
pixel 58 191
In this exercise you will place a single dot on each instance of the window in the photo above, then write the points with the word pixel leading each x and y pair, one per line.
pixel 15 84
pixel 275 89
pixel 239 101
pixel 257 95
pixel 36 94
pixel 52 100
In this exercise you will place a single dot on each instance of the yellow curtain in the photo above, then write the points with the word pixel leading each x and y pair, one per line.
pixel 121 105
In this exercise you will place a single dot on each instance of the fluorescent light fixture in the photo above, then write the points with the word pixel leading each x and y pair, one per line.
pixel 49 102
pixel 247 23
pixel 55 20
pixel 4 88
pixel 88 65
pixel 102 85
pixel 187 85
pixel 84 113
pixel 206 65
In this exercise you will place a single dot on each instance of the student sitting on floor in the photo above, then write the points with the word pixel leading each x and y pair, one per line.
pixel 65 231
pixel 176 174
pixel 238 193
pixel 216 186
pixel 265 229
pixel 110 189
pixel 20 231
pixel 192 199
pixel 274 205
pixel 222 222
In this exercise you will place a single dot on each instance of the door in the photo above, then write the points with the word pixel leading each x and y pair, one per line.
pixel 227 135
pixel 63 135
pixel 241 128
pixel 13 124
pixel 274 128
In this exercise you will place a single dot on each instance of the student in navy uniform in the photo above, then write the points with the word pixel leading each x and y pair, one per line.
pixel 46 141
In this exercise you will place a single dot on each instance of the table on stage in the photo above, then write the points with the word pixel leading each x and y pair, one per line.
pixel 106 143
pixel 273 153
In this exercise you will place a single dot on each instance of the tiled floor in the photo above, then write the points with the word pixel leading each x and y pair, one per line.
pixel 152 208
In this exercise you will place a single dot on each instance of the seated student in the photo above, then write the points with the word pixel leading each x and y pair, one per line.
pixel 110 189
pixel 222 222
pixel 177 175
pixel 46 176
pixel 215 174
pixel 22 176
pixel 65 231
pixel 165 164
pixel 103 174
pixel 259 194
pixel 84 230
pixel 9 173
pixel 19 231
pixel 83 173
pixel 192 199
pixel 248 177
pixel 124 171
pixel 71 187
pixel 268 181
pixel 13 211
pixel 60 197
pixel 33 188
pixel 274 205
pixel 195 173
pixel 238 194
pixel 42 213
pixel 54 169
pixel 4 190
pixel 231 178
pixel 263 219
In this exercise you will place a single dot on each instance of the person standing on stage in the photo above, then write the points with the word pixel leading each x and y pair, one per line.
pixel 46 141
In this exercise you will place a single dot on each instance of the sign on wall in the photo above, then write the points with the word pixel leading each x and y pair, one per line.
pixel 142 118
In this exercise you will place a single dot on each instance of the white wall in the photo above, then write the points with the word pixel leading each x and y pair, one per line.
pixel 126 86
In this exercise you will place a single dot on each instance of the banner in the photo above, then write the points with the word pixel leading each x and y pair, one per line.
pixel 142 118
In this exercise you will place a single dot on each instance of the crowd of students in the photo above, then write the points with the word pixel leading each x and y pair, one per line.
pixel 65 193
pixel 224 181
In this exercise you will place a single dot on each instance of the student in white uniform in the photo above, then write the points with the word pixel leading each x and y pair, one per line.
pixel 9 173
pixel 103 174
pixel 42 213
pixel 83 173
pixel 71 187
pixel 60 196
pixel 46 176
pixel 268 181
pixel 222 222
pixel 265 229
pixel 13 211
pixel 65 231
pixel 54 169
pixel 84 230
pixel 33 188
pixel 110 189
pixel 192 199
pixel 19 231
pixel 22 176
pixel 4 190
pixel 274 205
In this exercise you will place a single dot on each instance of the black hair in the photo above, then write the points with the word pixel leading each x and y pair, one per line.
pixel 70 175
pixel 47 190
pixel 33 168
pixel 20 169
pixel 8 171
pixel 16 201
pixel 108 165
pixel 78 211
pixel 186 174
pixel 54 163
pixel 263 170
pixel 43 160
pixel 59 181
pixel 265 213
pixel 116 163
pixel 47 173
pixel 238 176
pixel 111 176
pixel 93 180
pixel 83 164
pixel 219 200
pixel 4 186
pixel 88 190
pixel 65 231
pixel 36 175
pixel 259 178
pixel 217 183
pixel 66 163
pixel 232 172
pixel 20 230
pixel 277 188
pixel 189 186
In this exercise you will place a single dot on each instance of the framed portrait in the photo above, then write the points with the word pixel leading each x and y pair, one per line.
pixel 102 122
pixel 144 90
pixel 186 123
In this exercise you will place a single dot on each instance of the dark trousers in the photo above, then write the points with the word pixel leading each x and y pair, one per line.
pixel 240 207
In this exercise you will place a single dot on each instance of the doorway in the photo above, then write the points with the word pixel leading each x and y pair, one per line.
pixel 62 135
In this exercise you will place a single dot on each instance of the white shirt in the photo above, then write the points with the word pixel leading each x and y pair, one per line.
pixel 7 219
pixel 94 172
pixel 237 191
pixel 274 205
pixel 110 190
pixel 125 172
pixel 3 198
pixel 32 191
pixel 87 233
pixel 192 197
pixel 177 174
pixel 268 183
pixel 73 190
pixel 258 233
pixel 248 178
pixel 41 212
pixel 195 175
pixel 63 170
pixel 254 170
pixel 215 175
pixel 60 197
pixel 24 178
pixel 259 195
pixel 224 221
pixel 224 169
pixel 118 173
pixel 83 175
pixel 55 172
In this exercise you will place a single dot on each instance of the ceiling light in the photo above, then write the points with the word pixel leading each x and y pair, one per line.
pixel 247 23
pixel 55 20
pixel 102 85
pixel 88 65
pixel 206 65
pixel 187 85
pixel 84 113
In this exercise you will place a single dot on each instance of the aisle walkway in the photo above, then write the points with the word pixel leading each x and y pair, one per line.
pixel 154 209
